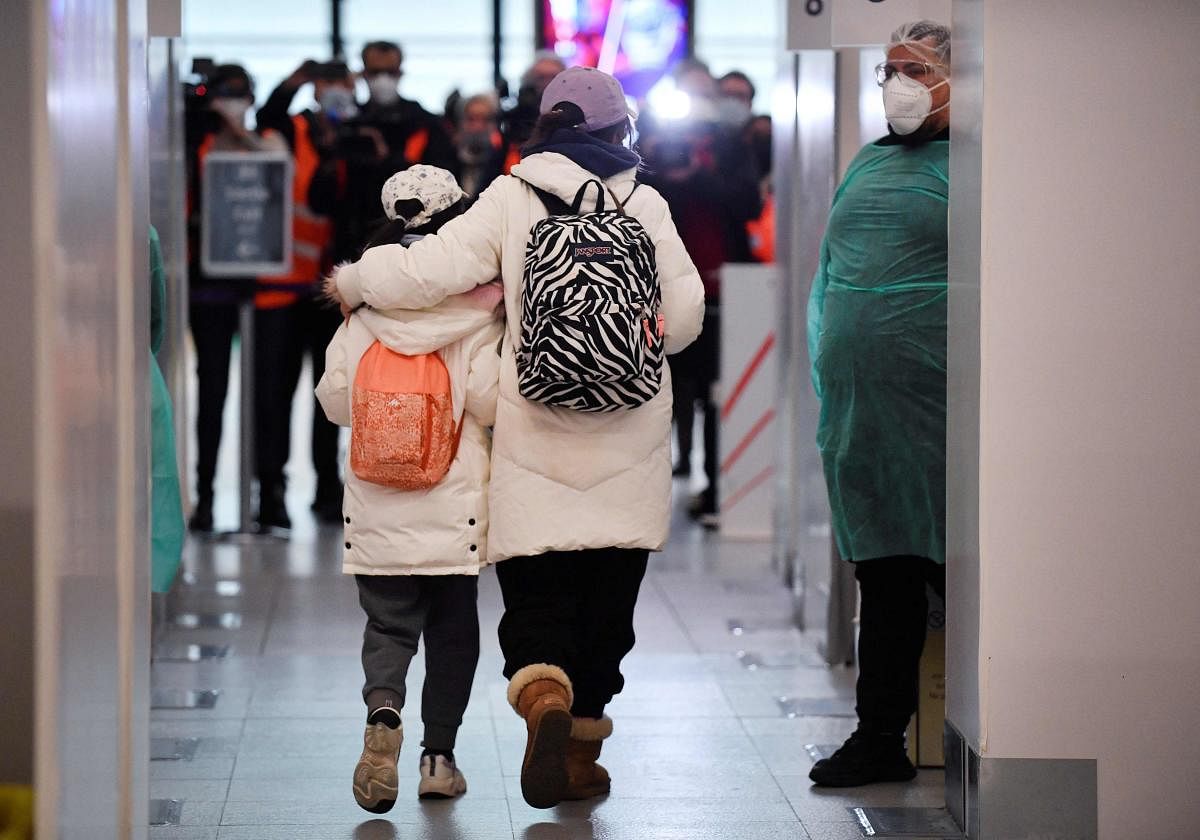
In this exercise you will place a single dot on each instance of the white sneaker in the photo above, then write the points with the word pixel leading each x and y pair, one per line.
pixel 440 778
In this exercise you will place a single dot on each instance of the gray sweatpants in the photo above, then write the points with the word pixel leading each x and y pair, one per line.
pixel 400 608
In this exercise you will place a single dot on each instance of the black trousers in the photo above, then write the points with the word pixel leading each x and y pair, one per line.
pixel 282 337
pixel 213 328
pixel 894 615
pixel 400 610
pixel 693 373
pixel 573 609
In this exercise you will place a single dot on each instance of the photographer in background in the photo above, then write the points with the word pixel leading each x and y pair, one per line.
pixel 517 122
pixel 384 135
pixel 703 167
pixel 215 121
pixel 478 143
pixel 292 321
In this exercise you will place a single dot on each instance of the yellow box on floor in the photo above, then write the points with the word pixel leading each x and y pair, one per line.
pixel 16 812
pixel 926 728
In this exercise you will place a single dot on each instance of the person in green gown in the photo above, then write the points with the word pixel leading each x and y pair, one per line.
pixel 166 506
pixel 877 340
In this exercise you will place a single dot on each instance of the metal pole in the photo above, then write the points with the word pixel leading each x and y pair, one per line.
pixel 497 40
pixel 246 419
pixel 337 48
pixel 177 269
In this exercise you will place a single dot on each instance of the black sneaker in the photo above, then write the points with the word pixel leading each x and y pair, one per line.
pixel 328 503
pixel 865 759
pixel 272 511
pixel 704 502
pixel 202 517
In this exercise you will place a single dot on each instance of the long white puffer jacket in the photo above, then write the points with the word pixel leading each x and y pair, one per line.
pixel 442 530
pixel 562 480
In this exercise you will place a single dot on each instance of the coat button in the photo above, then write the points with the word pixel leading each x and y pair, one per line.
pixel 347 545
pixel 347 520
pixel 469 521
pixel 473 548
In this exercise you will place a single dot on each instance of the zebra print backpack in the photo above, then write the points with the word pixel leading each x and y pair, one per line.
pixel 591 331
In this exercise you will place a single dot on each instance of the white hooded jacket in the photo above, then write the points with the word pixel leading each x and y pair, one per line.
pixel 562 480
pixel 442 530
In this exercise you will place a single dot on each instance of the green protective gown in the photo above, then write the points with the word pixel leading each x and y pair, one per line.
pixel 166 504
pixel 877 338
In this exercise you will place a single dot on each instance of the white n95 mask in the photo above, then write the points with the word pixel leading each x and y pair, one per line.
pixel 383 89
pixel 908 103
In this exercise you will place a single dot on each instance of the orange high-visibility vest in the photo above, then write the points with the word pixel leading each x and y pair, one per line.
pixel 512 158
pixel 311 234
pixel 415 146
pixel 762 232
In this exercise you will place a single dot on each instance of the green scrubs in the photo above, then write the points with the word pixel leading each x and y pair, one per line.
pixel 877 338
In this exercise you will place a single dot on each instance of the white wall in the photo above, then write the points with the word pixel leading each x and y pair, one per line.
pixel 1088 390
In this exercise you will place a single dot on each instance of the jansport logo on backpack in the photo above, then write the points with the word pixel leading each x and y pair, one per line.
pixel 402 430
pixel 591 332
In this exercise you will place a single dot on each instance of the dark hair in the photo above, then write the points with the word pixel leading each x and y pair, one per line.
pixel 738 75
pixel 230 73
pixel 383 46
pixel 392 232
pixel 568 115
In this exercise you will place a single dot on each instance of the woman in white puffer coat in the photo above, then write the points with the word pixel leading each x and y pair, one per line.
pixel 577 500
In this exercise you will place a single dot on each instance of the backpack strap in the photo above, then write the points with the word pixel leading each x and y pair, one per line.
pixel 621 204
pixel 458 435
pixel 577 205
pixel 554 205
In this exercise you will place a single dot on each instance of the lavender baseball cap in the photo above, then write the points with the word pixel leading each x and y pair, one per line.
pixel 597 94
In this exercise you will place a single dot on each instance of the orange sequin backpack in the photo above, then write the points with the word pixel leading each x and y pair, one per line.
pixel 402 430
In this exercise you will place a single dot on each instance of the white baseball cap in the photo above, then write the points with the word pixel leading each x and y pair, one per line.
pixel 433 186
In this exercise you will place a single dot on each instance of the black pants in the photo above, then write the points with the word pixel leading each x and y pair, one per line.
pixel 573 609
pixel 213 328
pixel 893 619
pixel 400 610
pixel 693 373
pixel 282 337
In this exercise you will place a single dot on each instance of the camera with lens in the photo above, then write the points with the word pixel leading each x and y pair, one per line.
pixel 198 119
pixel 351 144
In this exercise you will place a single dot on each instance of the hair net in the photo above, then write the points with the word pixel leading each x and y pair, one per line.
pixel 929 33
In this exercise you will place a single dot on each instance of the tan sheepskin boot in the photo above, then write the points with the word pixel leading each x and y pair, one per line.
pixel 541 694
pixel 586 778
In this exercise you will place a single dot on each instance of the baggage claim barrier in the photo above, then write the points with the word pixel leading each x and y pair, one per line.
pixel 747 393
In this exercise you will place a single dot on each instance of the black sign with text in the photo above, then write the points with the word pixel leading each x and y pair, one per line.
pixel 247 223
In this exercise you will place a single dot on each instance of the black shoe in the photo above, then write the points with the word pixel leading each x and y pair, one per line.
pixel 863 760
pixel 702 504
pixel 272 511
pixel 328 503
pixel 202 517
pixel 682 470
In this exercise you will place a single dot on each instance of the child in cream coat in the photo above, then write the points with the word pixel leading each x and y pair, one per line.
pixel 416 555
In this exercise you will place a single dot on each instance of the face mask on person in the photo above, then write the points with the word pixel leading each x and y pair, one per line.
pixel 383 88
pixel 232 109
pixel 473 146
pixel 733 112
pixel 908 103
pixel 338 103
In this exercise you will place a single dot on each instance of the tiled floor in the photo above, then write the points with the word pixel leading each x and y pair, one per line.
pixel 700 748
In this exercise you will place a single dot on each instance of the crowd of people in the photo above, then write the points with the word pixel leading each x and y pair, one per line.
pixel 526 300
pixel 712 167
